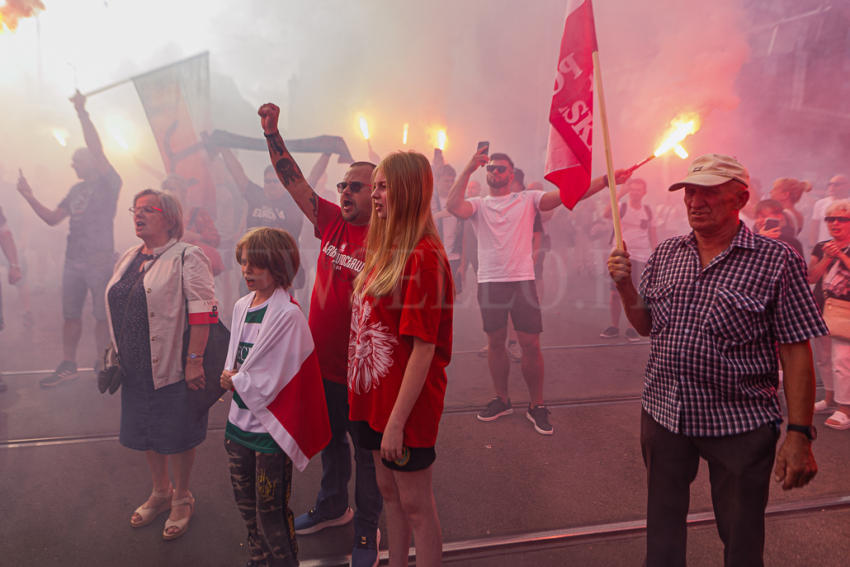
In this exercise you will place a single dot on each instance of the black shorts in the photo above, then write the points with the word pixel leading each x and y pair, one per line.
pixel 497 299
pixel 414 458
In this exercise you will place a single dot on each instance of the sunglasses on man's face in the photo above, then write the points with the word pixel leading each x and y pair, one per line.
pixel 354 186
pixel 497 168
pixel 837 219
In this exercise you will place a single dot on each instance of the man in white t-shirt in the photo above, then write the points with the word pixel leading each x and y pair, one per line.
pixel 503 221
pixel 638 230
pixel 837 188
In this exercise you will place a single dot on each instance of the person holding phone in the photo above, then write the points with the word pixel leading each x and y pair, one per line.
pixel 772 222
pixel 504 224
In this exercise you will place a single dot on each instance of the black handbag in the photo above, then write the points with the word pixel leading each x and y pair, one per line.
pixel 215 354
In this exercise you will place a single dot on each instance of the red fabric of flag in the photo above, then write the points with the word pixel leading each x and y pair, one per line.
pixel 568 155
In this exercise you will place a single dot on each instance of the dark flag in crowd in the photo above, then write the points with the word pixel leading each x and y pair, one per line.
pixel 319 144
pixel 568 156
pixel 176 99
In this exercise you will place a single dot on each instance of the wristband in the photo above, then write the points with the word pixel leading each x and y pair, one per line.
pixel 271 134
pixel 809 431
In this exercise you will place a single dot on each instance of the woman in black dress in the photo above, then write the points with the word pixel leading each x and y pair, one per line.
pixel 153 287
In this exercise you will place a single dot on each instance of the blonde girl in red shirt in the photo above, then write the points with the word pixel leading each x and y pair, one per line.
pixel 401 336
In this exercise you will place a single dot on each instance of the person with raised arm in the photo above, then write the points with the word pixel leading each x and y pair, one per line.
pixel 503 222
pixel 90 252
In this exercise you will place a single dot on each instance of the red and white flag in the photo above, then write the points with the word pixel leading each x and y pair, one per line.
pixel 279 383
pixel 568 155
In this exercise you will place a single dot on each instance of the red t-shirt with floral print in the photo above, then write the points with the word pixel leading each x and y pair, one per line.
pixel 381 341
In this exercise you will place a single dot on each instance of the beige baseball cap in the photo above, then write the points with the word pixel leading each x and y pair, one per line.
pixel 713 169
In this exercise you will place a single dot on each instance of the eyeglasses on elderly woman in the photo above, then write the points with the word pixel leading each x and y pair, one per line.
pixel 837 219
pixel 147 209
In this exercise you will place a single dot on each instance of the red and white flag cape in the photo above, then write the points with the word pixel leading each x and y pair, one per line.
pixel 568 156
pixel 279 381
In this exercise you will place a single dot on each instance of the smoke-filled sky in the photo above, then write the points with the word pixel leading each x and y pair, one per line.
pixel 482 69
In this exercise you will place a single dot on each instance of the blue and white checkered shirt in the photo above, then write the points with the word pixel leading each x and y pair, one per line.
pixel 713 367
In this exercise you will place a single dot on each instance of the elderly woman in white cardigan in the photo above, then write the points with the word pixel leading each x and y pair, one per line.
pixel 151 290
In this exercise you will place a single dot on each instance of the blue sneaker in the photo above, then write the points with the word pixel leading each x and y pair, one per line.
pixel 365 552
pixel 312 522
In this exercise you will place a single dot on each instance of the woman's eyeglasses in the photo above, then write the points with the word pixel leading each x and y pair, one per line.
pixel 147 209
pixel 837 219
pixel 498 168
pixel 355 186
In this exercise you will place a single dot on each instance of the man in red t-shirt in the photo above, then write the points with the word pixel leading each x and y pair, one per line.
pixel 342 230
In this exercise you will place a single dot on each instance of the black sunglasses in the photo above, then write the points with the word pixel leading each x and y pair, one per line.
pixel 355 186
pixel 837 219
pixel 499 168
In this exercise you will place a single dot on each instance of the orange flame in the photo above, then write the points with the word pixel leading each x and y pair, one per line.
pixel 404 135
pixel 13 11
pixel 680 151
pixel 441 139
pixel 364 127
pixel 680 128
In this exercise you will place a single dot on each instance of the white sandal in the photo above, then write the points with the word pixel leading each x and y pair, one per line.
pixel 838 420
pixel 182 525
pixel 148 515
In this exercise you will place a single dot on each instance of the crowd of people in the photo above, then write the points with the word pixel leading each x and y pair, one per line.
pixel 728 310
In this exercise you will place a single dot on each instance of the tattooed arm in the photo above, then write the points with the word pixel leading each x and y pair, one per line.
pixel 284 164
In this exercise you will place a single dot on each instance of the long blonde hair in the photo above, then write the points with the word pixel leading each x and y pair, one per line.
pixel 391 240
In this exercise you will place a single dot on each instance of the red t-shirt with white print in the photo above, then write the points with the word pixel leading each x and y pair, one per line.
pixel 340 261
pixel 382 331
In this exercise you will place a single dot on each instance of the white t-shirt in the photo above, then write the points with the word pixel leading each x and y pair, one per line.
pixel 818 212
pixel 635 226
pixel 504 227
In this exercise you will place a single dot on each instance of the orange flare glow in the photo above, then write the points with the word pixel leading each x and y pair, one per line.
pixel 680 128
pixel 364 128
pixel 404 135
pixel 680 151
pixel 441 139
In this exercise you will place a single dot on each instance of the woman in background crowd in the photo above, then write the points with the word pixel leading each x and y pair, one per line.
pixel 829 269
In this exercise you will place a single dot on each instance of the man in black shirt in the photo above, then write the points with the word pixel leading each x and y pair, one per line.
pixel 89 255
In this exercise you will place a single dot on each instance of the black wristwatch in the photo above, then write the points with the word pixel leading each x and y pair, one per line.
pixel 809 431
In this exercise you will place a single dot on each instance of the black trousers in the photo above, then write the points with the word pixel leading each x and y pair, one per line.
pixel 261 485
pixel 739 471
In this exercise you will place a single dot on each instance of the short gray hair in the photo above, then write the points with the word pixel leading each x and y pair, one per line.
pixel 841 205
pixel 171 210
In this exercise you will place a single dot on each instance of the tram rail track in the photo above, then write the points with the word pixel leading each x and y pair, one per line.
pixel 457 552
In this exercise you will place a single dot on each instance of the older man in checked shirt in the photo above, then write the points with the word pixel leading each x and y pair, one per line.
pixel 718 305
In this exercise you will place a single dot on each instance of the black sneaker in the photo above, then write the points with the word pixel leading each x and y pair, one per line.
pixel 365 552
pixel 632 336
pixel 65 372
pixel 495 409
pixel 312 521
pixel 539 416
pixel 610 333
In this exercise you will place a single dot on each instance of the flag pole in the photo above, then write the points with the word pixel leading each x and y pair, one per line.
pixel 609 161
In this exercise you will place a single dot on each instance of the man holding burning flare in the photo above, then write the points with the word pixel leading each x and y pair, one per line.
pixel 89 254
pixel 717 304
pixel 503 222
pixel 342 230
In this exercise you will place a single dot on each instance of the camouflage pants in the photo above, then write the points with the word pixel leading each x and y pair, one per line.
pixel 261 487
